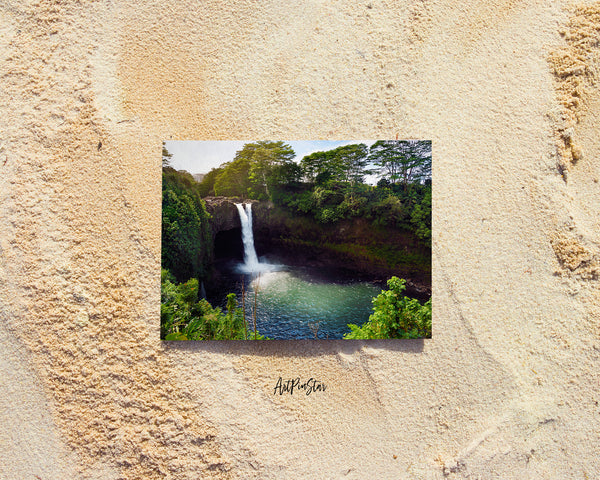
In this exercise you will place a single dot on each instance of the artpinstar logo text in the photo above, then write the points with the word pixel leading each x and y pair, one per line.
pixel 295 384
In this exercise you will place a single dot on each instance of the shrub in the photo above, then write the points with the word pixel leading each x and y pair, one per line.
pixel 395 316
pixel 388 212
pixel 186 235
pixel 184 317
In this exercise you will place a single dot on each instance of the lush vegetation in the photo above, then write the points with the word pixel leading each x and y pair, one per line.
pixel 330 186
pixel 324 187
pixel 186 234
pixel 184 317
pixel 395 316
pixel 255 170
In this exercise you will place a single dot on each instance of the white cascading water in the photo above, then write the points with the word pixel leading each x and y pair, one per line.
pixel 251 263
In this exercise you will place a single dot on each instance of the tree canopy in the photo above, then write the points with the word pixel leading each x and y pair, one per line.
pixel 402 161
pixel 330 185
pixel 254 170
pixel 186 236
pixel 342 164
pixel 234 180
pixel 166 156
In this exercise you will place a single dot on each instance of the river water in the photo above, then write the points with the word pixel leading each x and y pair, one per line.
pixel 295 302
pixel 291 305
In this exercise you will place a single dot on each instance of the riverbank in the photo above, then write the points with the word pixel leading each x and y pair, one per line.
pixel 355 248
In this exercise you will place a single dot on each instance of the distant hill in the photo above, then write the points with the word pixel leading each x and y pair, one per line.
pixel 197 176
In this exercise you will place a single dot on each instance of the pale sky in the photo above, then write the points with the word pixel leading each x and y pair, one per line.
pixel 201 156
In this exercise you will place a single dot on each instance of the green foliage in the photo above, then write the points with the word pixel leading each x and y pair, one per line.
pixel 343 164
pixel 384 206
pixel 286 174
pixel 234 180
pixel 166 156
pixel 402 161
pixel 207 185
pixel 328 196
pixel 389 212
pixel 333 189
pixel 329 200
pixel 395 316
pixel 254 171
pixel 352 206
pixel 328 215
pixel 184 317
pixel 421 217
pixel 266 160
pixel 186 235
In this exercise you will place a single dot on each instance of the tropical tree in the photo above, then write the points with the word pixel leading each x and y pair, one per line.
pixel 234 180
pixel 287 174
pixel 317 167
pixel 254 170
pixel 266 160
pixel 354 159
pixel 346 164
pixel 166 156
pixel 186 235
pixel 207 185
pixel 402 161
pixel 421 216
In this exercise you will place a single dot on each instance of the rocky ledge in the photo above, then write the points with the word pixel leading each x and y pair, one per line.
pixel 224 213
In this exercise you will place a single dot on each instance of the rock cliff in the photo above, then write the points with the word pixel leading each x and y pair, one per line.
pixel 224 214
pixel 355 247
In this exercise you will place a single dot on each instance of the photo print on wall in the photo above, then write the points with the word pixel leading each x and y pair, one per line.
pixel 273 240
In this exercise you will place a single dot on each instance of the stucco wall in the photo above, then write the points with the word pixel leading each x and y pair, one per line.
pixel 507 387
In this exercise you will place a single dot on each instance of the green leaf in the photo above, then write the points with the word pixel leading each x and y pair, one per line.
pixel 176 336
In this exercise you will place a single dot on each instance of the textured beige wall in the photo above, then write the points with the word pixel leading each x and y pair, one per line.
pixel 507 90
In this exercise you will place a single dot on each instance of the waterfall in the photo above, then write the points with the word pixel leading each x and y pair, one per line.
pixel 251 263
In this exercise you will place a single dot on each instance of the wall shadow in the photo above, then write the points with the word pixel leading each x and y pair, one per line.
pixel 295 348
